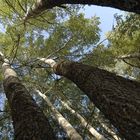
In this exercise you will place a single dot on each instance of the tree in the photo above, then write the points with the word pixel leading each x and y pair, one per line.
pixel 124 45
pixel 22 44
pixel 41 5
pixel 117 97
pixel 28 119
pixel 72 133
pixel 88 126
pixel 84 122
pixel 63 33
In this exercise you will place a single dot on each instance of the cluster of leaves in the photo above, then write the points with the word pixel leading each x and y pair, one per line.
pixel 124 44
pixel 122 53
pixel 48 35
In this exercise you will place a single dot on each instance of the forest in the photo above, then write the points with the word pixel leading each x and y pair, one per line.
pixel 59 80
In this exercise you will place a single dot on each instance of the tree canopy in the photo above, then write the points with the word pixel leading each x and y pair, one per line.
pixel 64 33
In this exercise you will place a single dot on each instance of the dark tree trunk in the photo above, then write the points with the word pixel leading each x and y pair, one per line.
pixel 126 5
pixel 28 120
pixel 118 98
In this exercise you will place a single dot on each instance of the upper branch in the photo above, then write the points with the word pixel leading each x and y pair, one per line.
pixel 41 5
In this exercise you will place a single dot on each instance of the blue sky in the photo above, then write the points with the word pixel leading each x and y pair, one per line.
pixel 106 16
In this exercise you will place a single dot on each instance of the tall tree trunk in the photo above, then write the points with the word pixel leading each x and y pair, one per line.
pixel 28 119
pixel 71 132
pixel 118 98
pixel 111 132
pixel 84 123
pixel 126 5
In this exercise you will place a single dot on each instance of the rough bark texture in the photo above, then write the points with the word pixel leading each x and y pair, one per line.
pixel 126 5
pixel 28 120
pixel 118 98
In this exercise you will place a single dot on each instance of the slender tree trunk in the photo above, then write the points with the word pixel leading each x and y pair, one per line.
pixel 111 132
pixel 28 119
pixel 71 132
pixel 118 98
pixel 126 5
pixel 84 123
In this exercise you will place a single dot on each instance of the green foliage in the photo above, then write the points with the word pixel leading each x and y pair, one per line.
pixel 62 34
pixel 58 33
pixel 124 40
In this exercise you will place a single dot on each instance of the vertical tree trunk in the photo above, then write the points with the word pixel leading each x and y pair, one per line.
pixel 71 132
pixel 111 132
pixel 118 98
pixel 28 119
pixel 84 123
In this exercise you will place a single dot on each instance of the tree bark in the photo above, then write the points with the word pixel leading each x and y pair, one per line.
pixel 126 5
pixel 28 119
pixel 71 132
pixel 111 132
pixel 118 98
pixel 84 123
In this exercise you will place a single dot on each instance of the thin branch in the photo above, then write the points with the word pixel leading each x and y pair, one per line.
pixel 89 119
pixel 101 41
pixel 50 55
pixel 21 6
pixel 12 7
pixel 130 56
pixel 46 20
pixel 17 46
pixel 130 64
pixel 4 12
pixel 58 50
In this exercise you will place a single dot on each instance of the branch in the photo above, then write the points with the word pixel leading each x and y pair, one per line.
pixel 51 62
pixel 12 7
pixel 68 128
pixel 21 6
pixel 129 56
pixel 17 46
pixel 130 64
pixel 65 45
pixel 42 5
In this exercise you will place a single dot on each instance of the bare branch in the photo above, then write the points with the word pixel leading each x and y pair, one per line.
pixel 12 7
pixel 17 46
pixel 130 64
pixel 58 50
pixel 42 5
pixel 130 56
pixel 21 6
